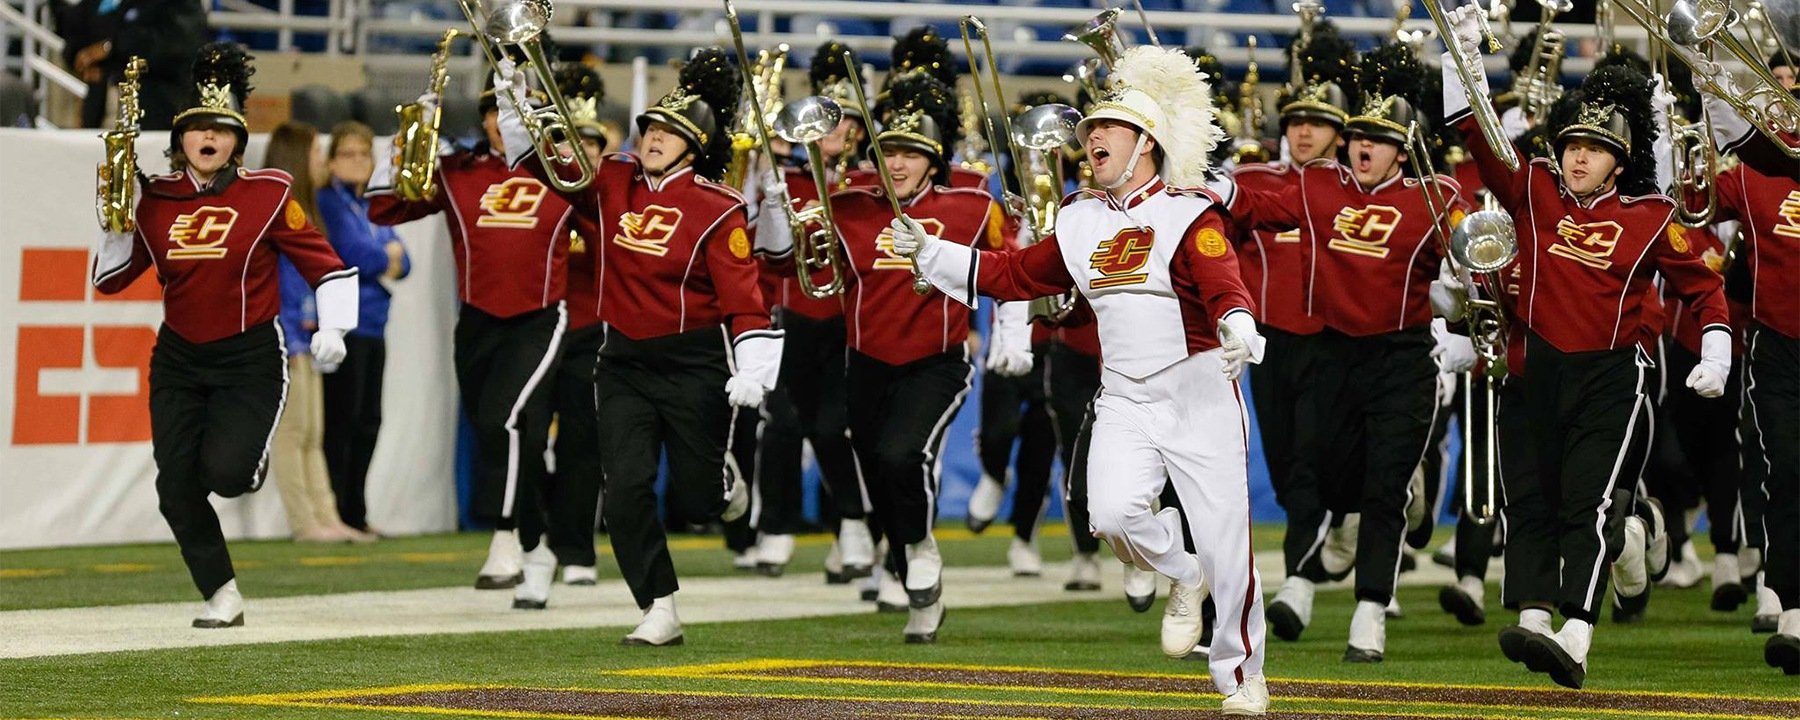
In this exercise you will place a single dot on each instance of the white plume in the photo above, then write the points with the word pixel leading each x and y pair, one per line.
pixel 1169 77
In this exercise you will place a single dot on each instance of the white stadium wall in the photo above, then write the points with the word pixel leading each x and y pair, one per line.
pixel 75 456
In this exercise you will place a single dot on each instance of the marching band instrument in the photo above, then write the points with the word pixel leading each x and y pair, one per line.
pixel 762 84
pixel 518 23
pixel 1039 137
pixel 804 122
pixel 1144 17
pixel 1470 72
pixel 1249 147
pixel 117 198
pixel 920 285
pixel 1309 12
pixel 415 178
pixel 1699 25
pixel 1101 34
pixel 973 25
pixel 1693 158
pixel 1540 85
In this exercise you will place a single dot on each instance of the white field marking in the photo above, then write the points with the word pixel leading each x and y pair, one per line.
pixel 439 611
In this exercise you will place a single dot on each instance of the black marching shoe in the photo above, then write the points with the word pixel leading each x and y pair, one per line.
pixel 1783 651
pixel 1544 655
pixel 1512 642
pixel 1464 608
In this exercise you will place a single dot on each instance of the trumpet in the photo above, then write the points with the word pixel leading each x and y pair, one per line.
pixel 1470 72
pixel 804 122
pixel 519 23
pixel 1699 26
pixel 117 198
pixel 920 285
pixel 1249 147
pixel 415 179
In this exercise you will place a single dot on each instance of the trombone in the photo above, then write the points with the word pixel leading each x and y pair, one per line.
pixel 1699 25
pixel 801 122
pixel 1472 75
pixel 1480 246
pixel 519 23
pixel 920 285
pixel 1693 157
pixel 1541 85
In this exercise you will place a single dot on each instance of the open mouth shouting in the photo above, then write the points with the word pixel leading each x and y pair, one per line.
pixel 1097 157
pixel 1365 160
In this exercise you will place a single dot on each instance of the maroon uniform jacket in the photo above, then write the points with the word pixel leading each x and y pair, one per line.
pixel 509 233
pixel 787 293
pixel 1586 267
pixel 1681 323
pixel 215 255
pixel 1372 253
pixel 1274 264
pixel 584 293
pixel 884 318
pixel 1769 211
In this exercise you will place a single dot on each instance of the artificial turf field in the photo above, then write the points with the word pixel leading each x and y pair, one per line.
pixel 1092 659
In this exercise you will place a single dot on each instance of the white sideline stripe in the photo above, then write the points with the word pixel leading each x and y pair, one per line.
pixel 448 611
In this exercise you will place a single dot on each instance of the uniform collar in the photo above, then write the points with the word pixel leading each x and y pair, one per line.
pixel 1139 196
pixel 659 185
pixel 1591 202
pixel 920 196
pixel 1380 186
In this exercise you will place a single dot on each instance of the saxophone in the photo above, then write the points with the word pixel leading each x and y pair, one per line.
pixel 415 178
pixel 118 172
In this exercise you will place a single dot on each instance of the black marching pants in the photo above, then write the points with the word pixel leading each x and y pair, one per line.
pixel 1284 391
pixel 505 369
pixel 1773 380
pixel 898 415
pixel 572 492
pixel 1016 408
pixel 353 423
pixel 1073 380
pixel 656 396
pixel 808 406
pixel 213 408
pixel 1580 424
pixel 1474 541
pixel 1376 398
pixel 1696 453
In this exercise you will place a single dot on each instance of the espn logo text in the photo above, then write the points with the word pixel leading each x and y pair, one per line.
pixel 84 381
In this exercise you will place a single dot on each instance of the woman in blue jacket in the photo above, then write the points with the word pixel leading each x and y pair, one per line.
pixel 353 393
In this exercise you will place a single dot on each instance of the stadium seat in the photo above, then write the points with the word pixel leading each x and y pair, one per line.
pixel 319 106
pixel 16 105
pixel 375 108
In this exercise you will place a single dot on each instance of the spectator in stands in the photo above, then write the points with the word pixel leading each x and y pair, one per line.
pixel 353 393
pixel 101 35
pixel 298 457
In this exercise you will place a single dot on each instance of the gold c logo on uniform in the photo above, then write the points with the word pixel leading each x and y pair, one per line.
pixel 1364 231
pixel 648 232
pixel 1590 244
pixel 202 233
pixel 512 204
pixel 885 243
pixel 1121 256
pixel 1790 215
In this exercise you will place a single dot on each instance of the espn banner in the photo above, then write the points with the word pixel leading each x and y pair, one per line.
pixel 75 456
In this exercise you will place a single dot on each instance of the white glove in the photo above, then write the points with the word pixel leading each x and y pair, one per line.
pixel 509 94
pixel 774 236
pixel 1240 341
pixel 1454 353
pixel 328 349
pixel 1448 294
pixel 430 102
pixel 757 363
pixel 1465 25
pixel 909 236
pixel 1708 377
pixel 1009 342
pixel 1514 122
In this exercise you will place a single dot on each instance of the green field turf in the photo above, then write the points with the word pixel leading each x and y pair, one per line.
pixel 1684 647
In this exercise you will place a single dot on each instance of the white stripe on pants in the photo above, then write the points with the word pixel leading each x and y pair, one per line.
pixel 1186 423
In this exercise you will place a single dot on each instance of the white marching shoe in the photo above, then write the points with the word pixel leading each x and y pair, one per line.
pixel 1084 573
pixel 1768 610
pixel 922 623
pixel 224 609
pixel 924 572
pixel 1140 588
pixel 890 594
pixel 1182 624
pixel 984 502
pixel 505 561
pixel 1727 583
pixel 1631 573
pixel 1368 633
pixel 574 575
pixel 1291 610
pixel 1251 698
pixel 1024 559
pixel 1684 568
pixel 1338 554
pixel 773 553
pixel 856 548
pixel 533 592
pixel 660 626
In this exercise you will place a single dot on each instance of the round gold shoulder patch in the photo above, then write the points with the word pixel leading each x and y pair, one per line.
pixel 1678 238
pixel 1211 243
pixel 295 216
pixel 740 243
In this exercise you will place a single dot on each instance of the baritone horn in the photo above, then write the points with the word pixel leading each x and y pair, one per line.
pixel 1101 34
pixel 805 122
pixel 117 198
pixel 518 23
pixel 415 177
pixel 1699 27
pixel 1470 72
pixel 1039 137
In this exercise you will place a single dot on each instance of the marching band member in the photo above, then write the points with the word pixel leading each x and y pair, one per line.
pixel 218 374
pixel 510 241
pixel 1151 258
pixel 687 336
pixel 1591 237
pixel 1371 233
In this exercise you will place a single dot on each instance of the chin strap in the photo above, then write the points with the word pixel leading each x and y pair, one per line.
pixel 1136 152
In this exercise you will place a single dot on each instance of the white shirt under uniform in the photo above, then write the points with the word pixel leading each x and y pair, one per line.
pixel 1161 276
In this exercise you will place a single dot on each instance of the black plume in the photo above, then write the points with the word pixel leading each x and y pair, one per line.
pixel 1329 58
pixel 921 91
pixel 1620 55
pixel 711 76
pixel 828 64
pixel 1224 91
pixel 223 63
pixel 577 80
pixel 1392 69
pixel 1522 53
pixel 1628 91
pixel 923 49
